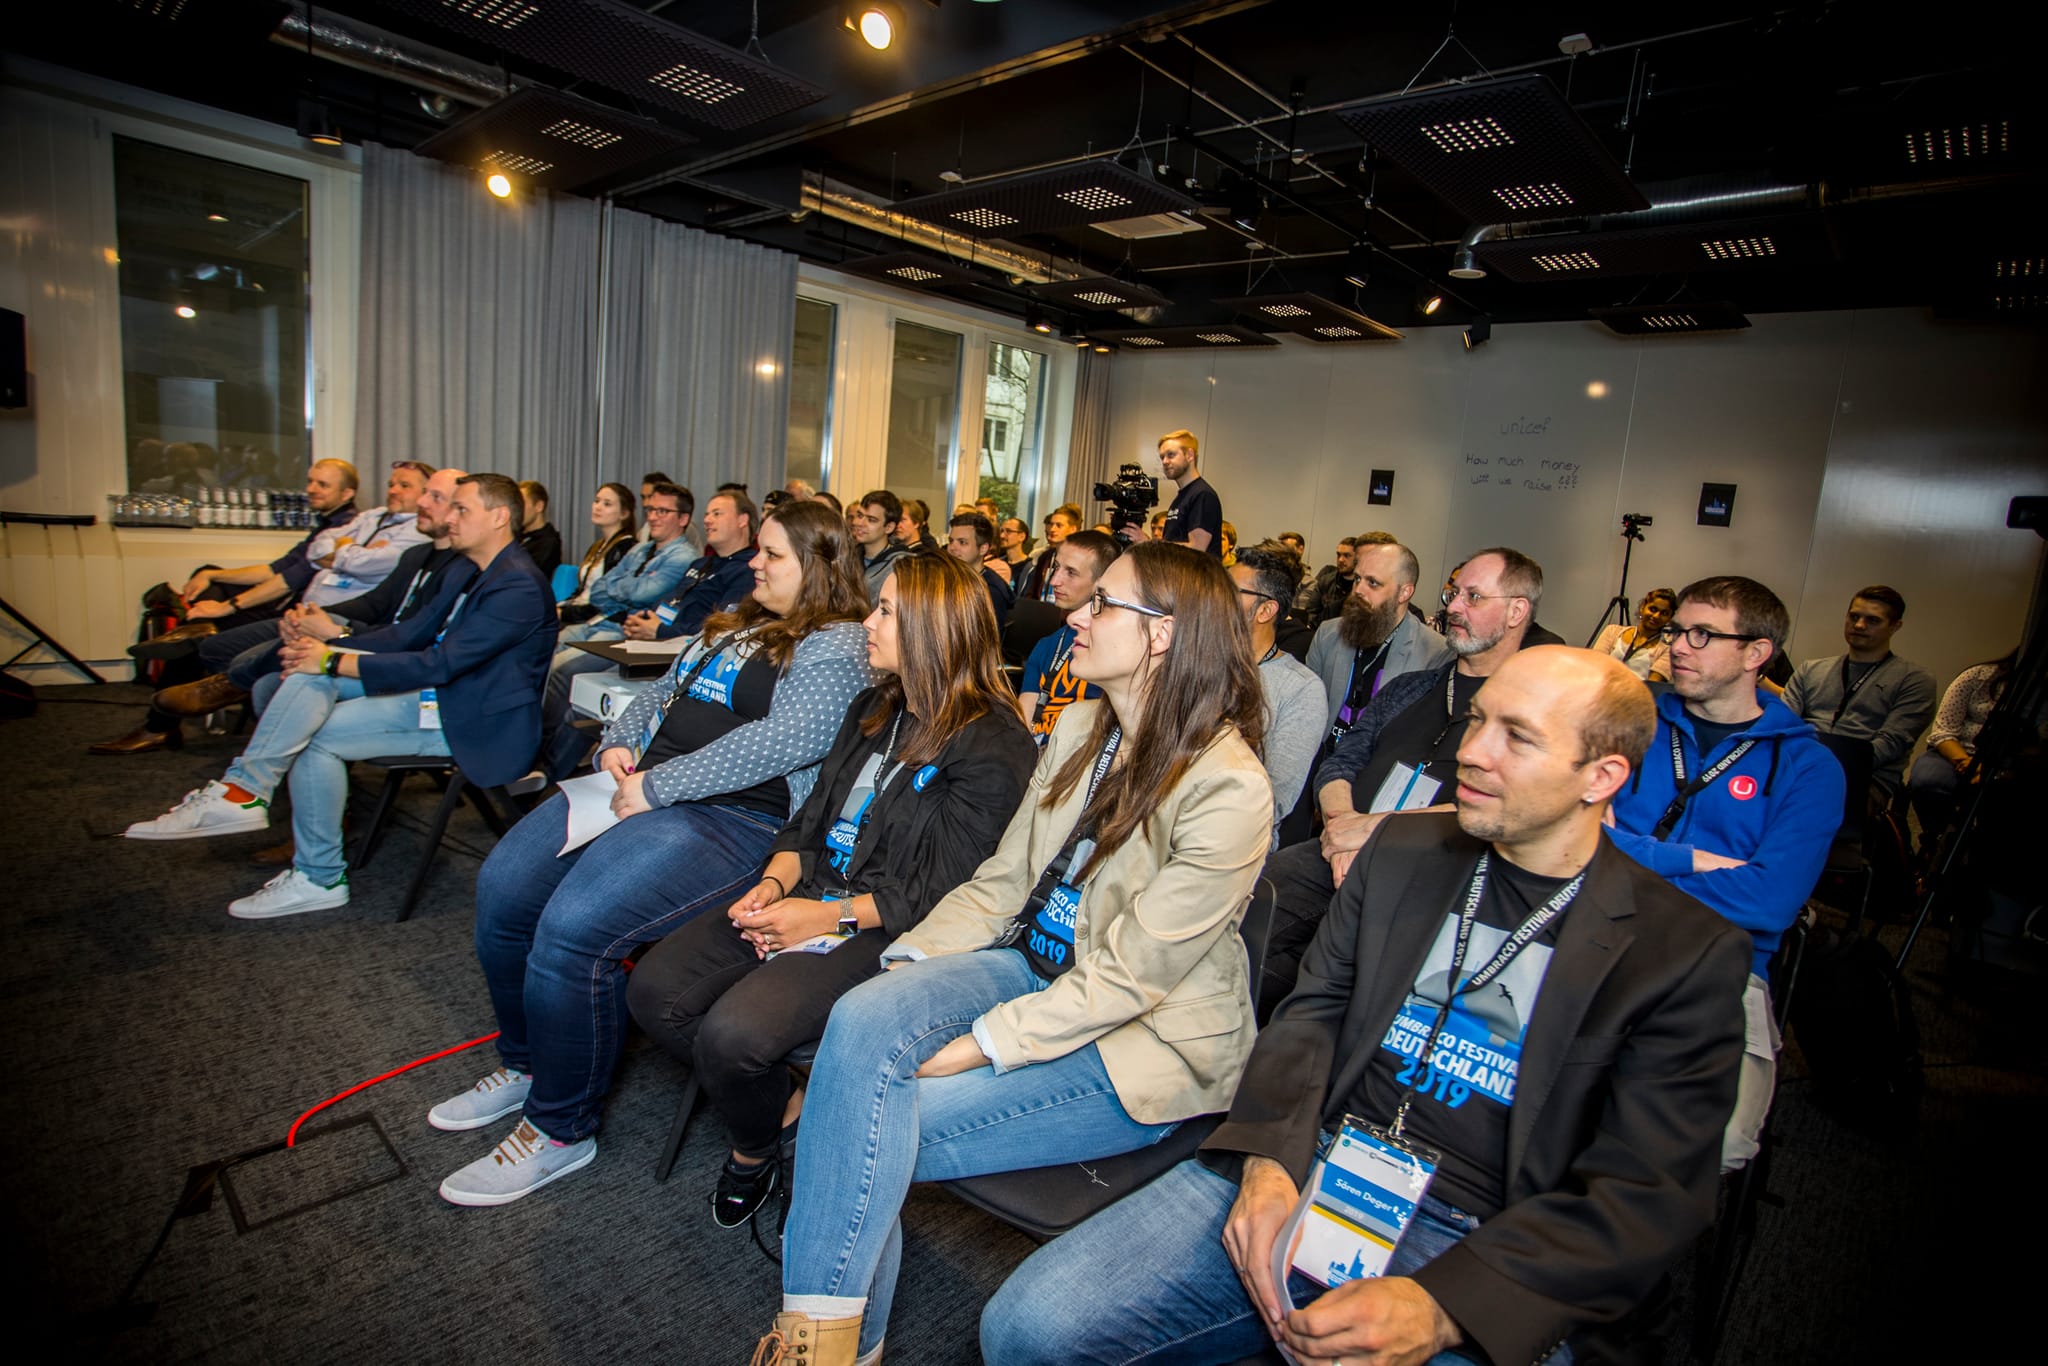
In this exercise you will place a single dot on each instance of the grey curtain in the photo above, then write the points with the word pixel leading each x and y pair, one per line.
pixel 478 330
pixel 696 362
pixel 480 346
pixel 1088 460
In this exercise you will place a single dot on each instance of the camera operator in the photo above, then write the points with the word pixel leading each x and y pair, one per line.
pixel 1196 517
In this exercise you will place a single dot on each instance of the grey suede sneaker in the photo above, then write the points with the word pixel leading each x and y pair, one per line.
pixel 491 1099
pixel 527 1160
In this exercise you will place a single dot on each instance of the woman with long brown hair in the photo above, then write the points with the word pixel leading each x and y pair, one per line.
pixel 1086 991
pixel 929 766
pixel 709 763
pixel 611 512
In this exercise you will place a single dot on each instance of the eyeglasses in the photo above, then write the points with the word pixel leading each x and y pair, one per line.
pixel 1255 593
pixel 1472 596
pixel 1099 600
pixel 653 511
pixel 1699 637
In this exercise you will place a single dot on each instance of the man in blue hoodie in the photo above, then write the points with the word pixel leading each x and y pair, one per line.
pixel 1736 802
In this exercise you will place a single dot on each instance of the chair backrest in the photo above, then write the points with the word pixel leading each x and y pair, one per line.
pixel 564 580
pixel 1257 928
pixel 1857 758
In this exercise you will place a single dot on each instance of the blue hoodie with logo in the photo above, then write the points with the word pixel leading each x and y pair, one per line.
pixel 1776 808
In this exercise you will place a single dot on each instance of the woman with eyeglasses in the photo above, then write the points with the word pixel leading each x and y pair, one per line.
pixel 1642 646
pixel 928 768
pixel 1086 991
pixel 708 763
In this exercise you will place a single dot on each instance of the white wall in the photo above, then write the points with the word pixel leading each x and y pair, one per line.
pixel 1866 447
pixel 66 451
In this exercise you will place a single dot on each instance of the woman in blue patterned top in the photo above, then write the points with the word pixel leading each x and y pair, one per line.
pixel 709 763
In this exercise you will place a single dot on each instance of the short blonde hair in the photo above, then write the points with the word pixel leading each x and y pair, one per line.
pixel 1186 438
pixel 341 467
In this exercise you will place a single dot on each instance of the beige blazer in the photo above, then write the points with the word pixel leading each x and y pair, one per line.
pixel 1159 983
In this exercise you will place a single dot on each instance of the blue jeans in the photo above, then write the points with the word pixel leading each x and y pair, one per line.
pixel 251 667
pixel 359 728
pixel 551 934
pixel 303 702
pixel 1147 1281
pixel 219 650
pixel 870 1128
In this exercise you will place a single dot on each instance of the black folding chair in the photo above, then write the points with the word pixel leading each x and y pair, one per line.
pixel 1047 1201
pixel 1848 858
pixel 678 1127
pixel 396 767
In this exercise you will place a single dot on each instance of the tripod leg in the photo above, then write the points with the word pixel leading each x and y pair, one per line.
pixel 45 638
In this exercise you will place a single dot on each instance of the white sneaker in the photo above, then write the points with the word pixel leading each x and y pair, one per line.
pixel 491 1099
pixel 527 1160
pixel 291 892
pixel 210 810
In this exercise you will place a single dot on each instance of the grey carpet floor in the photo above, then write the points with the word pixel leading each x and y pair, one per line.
pixel 143 1032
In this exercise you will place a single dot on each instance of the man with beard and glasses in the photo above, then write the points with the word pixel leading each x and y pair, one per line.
pixel 1375 640
pixel 1399 751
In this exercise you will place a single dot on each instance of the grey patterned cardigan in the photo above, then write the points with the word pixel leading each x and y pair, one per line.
pixel 828 670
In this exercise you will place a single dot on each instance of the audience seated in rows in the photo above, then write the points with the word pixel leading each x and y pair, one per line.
pixel 1050 683
pixel 1401 752
pixel 1265 575
pixel 1736 804
pixel 643 577
pixel 1372 638
pixel 1642 646
pixel 1869 692
pixel 1085 991
pixel 927 770
pixel 1574 1099
pixel 719 580
pixel 1062 522
pixel 479 650
pixel 709 765
pixel 217 601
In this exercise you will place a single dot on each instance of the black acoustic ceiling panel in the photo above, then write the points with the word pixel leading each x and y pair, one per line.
pixel 1197 337
pixel 1499 151
pixel 554 140
pixel 641 56
pixel 1047 201
pixel 1670 320
pixel 1313 317
pixel 1099 292
pixel 1658 249
pixel 914 270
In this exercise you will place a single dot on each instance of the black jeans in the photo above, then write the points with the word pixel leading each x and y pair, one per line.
pixel 703 996
pixel 1302 892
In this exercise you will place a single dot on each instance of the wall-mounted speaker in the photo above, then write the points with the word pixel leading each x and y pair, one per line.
pixel 13 359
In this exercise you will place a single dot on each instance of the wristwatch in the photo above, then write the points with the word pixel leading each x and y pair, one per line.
pixel 849 926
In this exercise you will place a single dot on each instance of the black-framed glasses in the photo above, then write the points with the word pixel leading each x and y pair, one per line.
pixel 1099 600
pixel 1471 595
pixel 1699 637
pixel 1255 593
pixel 652 511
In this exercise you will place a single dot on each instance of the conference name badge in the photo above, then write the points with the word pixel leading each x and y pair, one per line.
pixel 1361 1195
pixel 666 613
pixel 430 709
pixel 840 838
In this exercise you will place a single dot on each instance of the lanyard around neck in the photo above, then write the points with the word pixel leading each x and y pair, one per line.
pixel 1849 690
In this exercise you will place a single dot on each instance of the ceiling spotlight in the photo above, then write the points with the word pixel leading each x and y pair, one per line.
pixel 186 311
pixel 499 184
pixel 1035 319
pixel 1465 266
pixel 316 124
pixel 1430 301
pixel 876 24
pixel 1103 348
pixel 1479 333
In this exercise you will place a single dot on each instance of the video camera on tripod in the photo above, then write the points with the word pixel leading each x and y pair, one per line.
pixel 1632 524
pixel 1134 494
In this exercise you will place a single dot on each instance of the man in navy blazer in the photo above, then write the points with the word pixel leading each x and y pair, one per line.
pixel 461 678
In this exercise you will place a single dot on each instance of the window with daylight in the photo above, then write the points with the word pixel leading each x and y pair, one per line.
pixel 924 414
pixel 1012 428
pixel 810 392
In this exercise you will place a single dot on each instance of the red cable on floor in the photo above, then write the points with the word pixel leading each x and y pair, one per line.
pixel 291 1136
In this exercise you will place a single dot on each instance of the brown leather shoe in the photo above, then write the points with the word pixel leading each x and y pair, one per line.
pixel 210 694
pixel 276 856
pixel 141 740
pixel 174 644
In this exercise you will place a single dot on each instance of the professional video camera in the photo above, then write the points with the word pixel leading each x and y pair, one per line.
pixel 1632 524
pixel 1134 494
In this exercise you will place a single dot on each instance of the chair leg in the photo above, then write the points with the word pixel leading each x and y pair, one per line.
pixel 676 1129
pixel 451 799
pixel 367 850
pixel 485 802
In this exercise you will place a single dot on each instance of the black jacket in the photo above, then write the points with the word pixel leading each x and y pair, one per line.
pixel 380 606
pixel 543 545
pixel 1627 1081
pixel 937 835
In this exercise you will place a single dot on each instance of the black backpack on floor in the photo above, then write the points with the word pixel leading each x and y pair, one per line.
pixel 1853 1017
